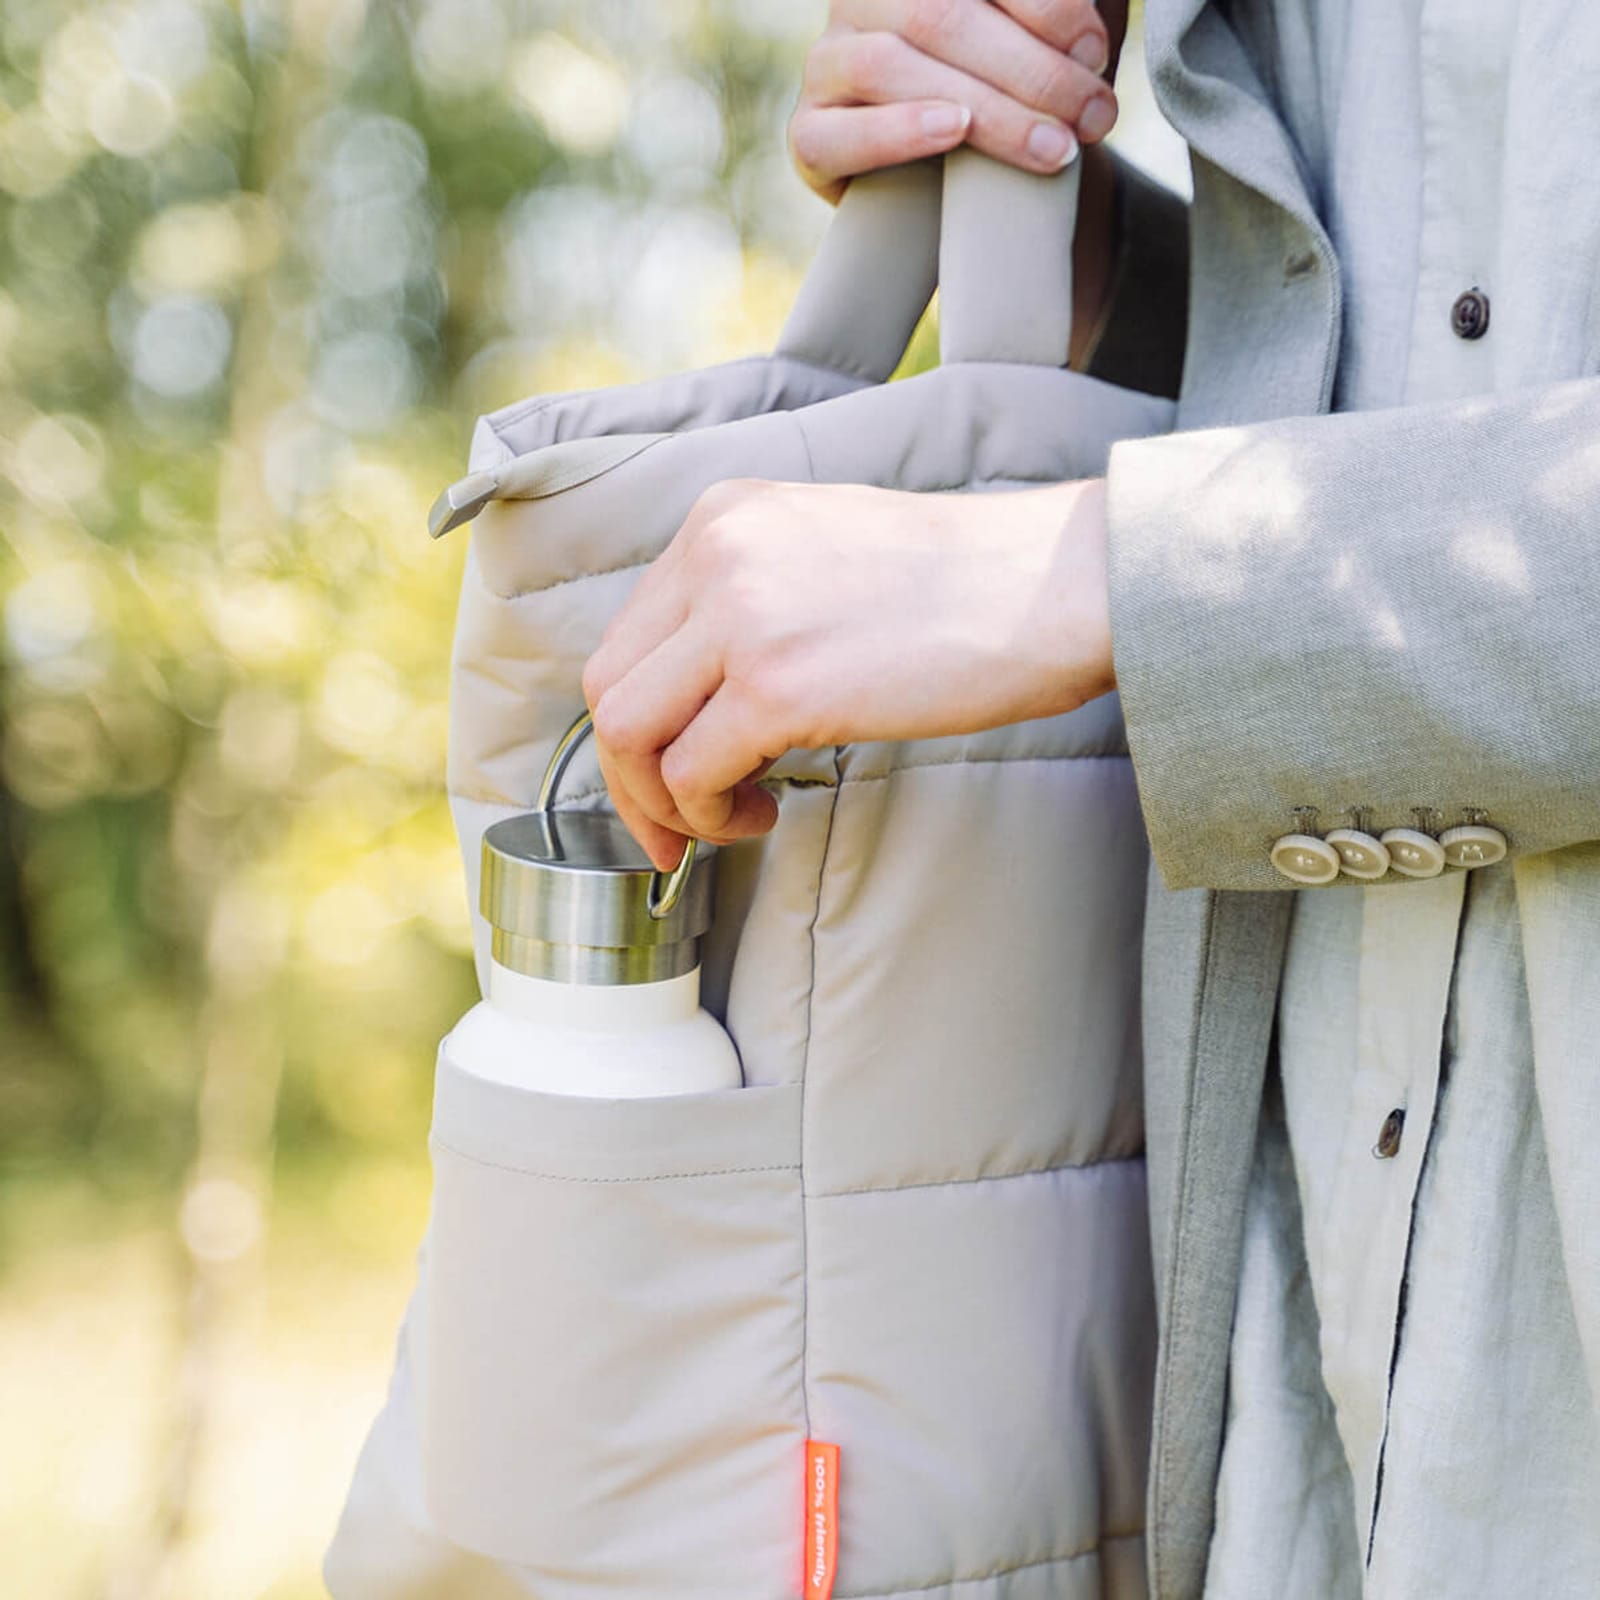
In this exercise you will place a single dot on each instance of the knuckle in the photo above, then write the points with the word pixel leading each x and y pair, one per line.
pixel 868 64
pixel 821 67
pixel 931 22
pixel 769 689
pixel 750 608
pixel 596 680
pixel 1000 128
pixel 716 500
pixel 1050 83
pixel 1011 140
pixel 721 522
pixel 806 144
pixel 613 726
pixel 1077 15
pixel 677 773
pixel 696 802
pixel 1062 22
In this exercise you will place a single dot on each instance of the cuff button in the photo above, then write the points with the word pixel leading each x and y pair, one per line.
pixel 1305 859
pixel 1413 852
pixel 1360 855
pixel 1473 845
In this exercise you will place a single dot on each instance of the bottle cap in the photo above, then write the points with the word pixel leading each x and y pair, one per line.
pixel 571 897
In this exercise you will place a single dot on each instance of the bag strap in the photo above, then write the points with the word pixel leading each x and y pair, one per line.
pixel 872 276
pixel 1005 262
pixel 997 241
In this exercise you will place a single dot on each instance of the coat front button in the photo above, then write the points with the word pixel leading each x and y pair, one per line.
pixel 1388 1145
pixel 1469 316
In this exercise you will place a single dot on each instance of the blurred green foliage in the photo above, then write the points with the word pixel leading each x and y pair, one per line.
pixel 260 265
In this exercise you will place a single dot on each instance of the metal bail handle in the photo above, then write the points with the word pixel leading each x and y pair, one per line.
pixel 666 888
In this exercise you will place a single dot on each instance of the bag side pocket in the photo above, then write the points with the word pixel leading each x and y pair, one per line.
pixel 611 1393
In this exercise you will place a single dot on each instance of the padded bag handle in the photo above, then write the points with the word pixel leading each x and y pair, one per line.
pixel 872 275
pixel 1005 261
pixel 997 241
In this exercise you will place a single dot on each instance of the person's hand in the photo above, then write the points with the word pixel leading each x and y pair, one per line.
pixel 796 616
pixel 894 80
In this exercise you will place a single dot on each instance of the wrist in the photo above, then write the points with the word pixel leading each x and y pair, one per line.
pixel 1065 657
pixel 1089 671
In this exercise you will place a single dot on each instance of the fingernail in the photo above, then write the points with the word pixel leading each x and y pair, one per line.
pixel 1090 52
pixel 1098 119
pixel 940 122
pixel 1051 146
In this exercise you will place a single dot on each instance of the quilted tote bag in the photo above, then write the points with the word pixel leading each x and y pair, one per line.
pixel 918 1231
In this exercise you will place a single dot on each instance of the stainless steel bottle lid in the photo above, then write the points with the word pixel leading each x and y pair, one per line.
pixel 571 897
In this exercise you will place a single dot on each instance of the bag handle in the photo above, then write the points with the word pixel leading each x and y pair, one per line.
pixel 872 276
pixel 1005 261
pixel 996 240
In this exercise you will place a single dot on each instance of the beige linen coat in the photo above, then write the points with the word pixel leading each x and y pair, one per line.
pixel 1254 681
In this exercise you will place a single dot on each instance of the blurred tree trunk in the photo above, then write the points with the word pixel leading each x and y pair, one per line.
pixel 299 53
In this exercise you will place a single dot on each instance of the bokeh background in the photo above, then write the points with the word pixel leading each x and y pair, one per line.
pixel 261 263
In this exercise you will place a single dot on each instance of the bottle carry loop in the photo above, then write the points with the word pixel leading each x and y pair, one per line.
pixel 666 888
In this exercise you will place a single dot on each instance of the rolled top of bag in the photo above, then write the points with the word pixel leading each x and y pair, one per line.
pixel 571 897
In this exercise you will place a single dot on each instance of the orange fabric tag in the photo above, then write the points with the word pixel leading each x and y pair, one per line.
pixel 822 1518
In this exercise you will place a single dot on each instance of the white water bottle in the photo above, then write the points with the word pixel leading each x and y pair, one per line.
pixel 594 976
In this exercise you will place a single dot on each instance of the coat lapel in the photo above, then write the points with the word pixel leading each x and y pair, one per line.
pixel 1211 93
pixel 1208 1027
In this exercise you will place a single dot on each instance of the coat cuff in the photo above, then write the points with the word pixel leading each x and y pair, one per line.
pixel 1208 662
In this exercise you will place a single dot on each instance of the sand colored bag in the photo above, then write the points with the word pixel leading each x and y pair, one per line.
pixel 918 1232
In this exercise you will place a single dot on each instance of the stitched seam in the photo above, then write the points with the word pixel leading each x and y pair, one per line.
pixel 1001 1572
pixel 565 583
pixel 533 406
pixel 805 444
pixel 838 369
pixel 984 761
pixel 785 358
pixel 544 402
pixel 478 797
pixel 846 782
pixel 805 1073
pixel 575 477
pixel 1161 1457
pixel 987 1177
pixel 567 1177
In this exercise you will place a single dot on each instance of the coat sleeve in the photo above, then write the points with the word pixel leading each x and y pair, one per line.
pixel 1384 610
